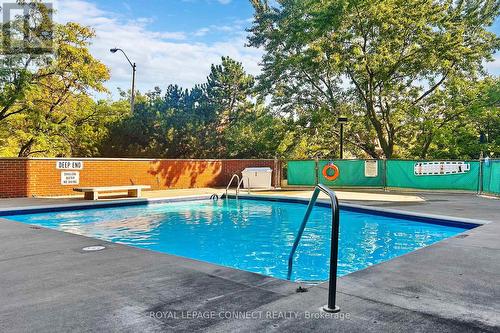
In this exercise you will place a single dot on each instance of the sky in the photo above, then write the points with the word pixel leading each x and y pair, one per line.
pixel 171 41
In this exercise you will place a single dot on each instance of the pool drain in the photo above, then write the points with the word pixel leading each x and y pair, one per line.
pixel 93 248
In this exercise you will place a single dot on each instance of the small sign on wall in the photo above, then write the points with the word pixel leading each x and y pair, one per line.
pixel 371 168
pixel 69 165
pixel 440 168
pixel 70 178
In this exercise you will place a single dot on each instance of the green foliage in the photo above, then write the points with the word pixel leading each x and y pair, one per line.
pixel 215 120
pixel 256 134
pixel 161 126
pixel 408 73
pixel 467 131
pixel 16 62
pixel 379 62
pixel 44 97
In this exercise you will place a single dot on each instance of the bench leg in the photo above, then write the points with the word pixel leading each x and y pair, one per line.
pixel 134 193
pixel 91 196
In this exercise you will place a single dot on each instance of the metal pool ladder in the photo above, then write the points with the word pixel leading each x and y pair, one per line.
pixel 334 249
pixel 239 182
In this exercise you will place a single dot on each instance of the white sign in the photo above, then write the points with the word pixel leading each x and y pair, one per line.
pixel 69 165
pixel 440 168
pixel 371 168
pixel 70 178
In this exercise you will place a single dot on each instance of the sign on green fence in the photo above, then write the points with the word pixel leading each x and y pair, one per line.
pixel 404 174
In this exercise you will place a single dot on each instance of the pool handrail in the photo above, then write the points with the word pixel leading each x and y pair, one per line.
pixel 237 183
pixel 334 248
pixel 241 182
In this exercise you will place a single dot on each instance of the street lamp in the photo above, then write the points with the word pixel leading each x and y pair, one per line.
pixel 342 121
pixel 132 101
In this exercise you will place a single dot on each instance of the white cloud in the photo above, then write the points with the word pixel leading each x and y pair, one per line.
pixel 201 32
pixel 235 28
pixel 177 35
pixel 162 57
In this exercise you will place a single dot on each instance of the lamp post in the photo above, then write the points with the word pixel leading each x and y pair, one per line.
pixel 342 121
pixel 132 101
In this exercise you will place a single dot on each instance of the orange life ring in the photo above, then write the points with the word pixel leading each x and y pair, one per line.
pixel 335 169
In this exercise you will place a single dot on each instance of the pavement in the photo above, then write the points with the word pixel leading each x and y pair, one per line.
pixel 50 285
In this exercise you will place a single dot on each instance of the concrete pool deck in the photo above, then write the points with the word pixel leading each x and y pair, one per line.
pixel 49 284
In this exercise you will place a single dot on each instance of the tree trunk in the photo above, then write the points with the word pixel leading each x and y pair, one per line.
pixel 25 150
pixel 387 147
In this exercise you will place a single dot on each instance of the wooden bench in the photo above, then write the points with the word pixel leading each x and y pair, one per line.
pixel 92 192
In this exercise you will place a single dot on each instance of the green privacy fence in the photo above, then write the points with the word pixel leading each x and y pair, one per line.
pixel 301 173
pixel 491 176
pixel 477 176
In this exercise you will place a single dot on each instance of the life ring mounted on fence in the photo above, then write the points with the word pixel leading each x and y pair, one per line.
pixel 336 172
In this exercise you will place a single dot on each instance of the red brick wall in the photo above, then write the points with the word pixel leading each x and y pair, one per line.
pixel 40 177
pixel 13 178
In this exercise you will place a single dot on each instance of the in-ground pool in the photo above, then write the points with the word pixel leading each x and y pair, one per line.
pixel 253 235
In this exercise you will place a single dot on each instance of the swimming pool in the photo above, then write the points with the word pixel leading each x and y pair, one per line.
pixel 252 235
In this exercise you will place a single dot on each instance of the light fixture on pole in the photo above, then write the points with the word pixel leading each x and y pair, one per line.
pixel 132 100
pixel 342 121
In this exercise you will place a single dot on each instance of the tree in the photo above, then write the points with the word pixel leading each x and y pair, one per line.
pixel 378 61
pixel 26 41
pixel 161 126
pixel 228 91
pixel 90 126
pixel 45 96
pixel 217 119
pixel 228 88
pixel 471 125
pixel 256 134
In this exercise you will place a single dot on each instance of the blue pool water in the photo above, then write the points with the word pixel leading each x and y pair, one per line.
pixel 252 235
